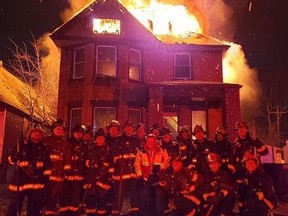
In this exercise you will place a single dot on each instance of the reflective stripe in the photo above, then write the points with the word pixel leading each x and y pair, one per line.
pixel 74 178
pixel 100 211
pixel 64 209
pixel 47 212
pixel 183 147
pixel 39 164
pixel 26 187
pixel 56 157
pixel 55 178
pixel 73 208
pixel 88 210
pixel 10 160
pixel 111 170
pixel 127 176
pixel 23 163
pixel 102 185
pixel 67 167
pixel 47 172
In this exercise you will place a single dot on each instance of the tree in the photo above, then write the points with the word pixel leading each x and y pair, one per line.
pixel 38 67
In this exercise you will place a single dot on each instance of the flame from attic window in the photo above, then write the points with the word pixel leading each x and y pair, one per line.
pixel 106 26
pixel 164 19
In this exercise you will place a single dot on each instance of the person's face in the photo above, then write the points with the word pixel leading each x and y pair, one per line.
pixel 176 166
pixel 87 136
pixel 167 138
pixel 59 131
pixel 219 137
pixel 77 135
pixel 113 131
pixel 129 130
pixel 199 135
pixel 156 132
pixel 36 136
pixel 140 132
pixel 242 132
pixel 100 140
pixel 150 142
pixel 251 165
pixel 185 135
pixel 214 166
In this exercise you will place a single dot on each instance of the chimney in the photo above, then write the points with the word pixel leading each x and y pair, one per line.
pixel 170 27
pixel 150 25
pixel 1 63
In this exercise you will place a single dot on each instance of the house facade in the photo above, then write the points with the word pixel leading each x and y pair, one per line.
pixel 112 67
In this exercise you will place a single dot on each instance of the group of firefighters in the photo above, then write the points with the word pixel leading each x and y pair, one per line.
pixel 93 173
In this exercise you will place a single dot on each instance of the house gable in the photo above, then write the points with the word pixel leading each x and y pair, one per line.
pixel 81 26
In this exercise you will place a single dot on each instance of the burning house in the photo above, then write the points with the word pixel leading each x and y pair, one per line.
pixel 113 67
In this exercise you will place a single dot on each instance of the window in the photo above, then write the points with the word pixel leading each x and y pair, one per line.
pixel 103 116
pixel 106 61
pixel 106 26
pixel 75 118
pixel 134 64
pixel 135 114
pixel 78 63
pixel 182 64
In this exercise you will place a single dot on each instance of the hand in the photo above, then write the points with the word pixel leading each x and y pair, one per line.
pixel 260 195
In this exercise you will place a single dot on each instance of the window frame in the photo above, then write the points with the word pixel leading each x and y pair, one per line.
pixel 190 65
pixel 102 107
pixel 74 76
pixel 136 109
pixel 101 61
pixel 70 118
pixel 139 64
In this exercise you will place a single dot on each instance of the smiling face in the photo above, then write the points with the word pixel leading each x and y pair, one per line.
pixel 113 131
pixel 176 166
pixel 251 165
pixel 59 131
pixel 242 132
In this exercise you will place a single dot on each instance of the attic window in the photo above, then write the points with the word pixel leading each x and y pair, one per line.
pixel 106 26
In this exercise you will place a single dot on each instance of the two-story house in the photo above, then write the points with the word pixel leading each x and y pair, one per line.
pixel 112 67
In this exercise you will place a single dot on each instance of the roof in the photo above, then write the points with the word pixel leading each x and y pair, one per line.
pixel 13 93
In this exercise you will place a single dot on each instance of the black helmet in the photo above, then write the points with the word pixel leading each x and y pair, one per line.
pixel 79 128
pixel 59 122
pixel 155 127
pixel 113 123
pixel 129 122
pixel 99 132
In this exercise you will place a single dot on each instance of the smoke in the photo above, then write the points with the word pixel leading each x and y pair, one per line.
pixel 236 70
pixel 75 7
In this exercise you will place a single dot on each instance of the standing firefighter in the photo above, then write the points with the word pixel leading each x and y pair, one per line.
pixel 149 159
pixel 182 185
pixel 245 142
pixel 96 182
pixel 60 156
pixel 31 159
pixel 217 190
pixel 122 169
pixel 70 196
pixel 257 196
pixel 185 144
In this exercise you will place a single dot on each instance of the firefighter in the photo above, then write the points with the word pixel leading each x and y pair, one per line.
pixel 31 159
pixel 156 130
pixel 96 182
pixel 225 150
pixel 257 196
pixel 148 159
pixel 202 146
pixel 70 196
pixel 167 143
pixel 218 192
pixel 122 169
pixel 183 186
pixel 112 140
pixel 140 135
pixel 60 156
pixel 185 144
pixel 245 142
pixel 87 136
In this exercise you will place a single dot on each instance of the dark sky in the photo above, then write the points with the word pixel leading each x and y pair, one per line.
pixel 262 31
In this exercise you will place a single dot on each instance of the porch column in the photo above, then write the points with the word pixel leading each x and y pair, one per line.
pixel 155 106
pixel 185 116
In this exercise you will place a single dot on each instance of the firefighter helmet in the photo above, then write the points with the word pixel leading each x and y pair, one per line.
pixel 166 130
pixel 198 128
pixel 59 122
pixel 155 127
pixel 249 156
pixel 128 123
pixel 36 127
pixel 113 123
pixel 184 128
pixel 213 157
pixel 79 128
pixel 241 124
pixel 221 130
pixel 99 132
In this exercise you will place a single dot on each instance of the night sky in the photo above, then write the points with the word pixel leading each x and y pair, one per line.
pixel 262 31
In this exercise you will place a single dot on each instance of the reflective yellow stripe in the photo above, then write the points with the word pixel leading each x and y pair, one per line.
pixel 102 185
pixel 127 176
pixel 67 167
pixel 183 147
pixel 47 212
pixel 268 203
pixel 39 164
pixel 73 208
pixel 56 157
pixel 101 211
pixel 23 163
pixel 111 170
pixel 55 178
pixel 90 210
pixel 74 178
pixel 10 160
pixel 64 209
pixel 47 172
pixel 26 187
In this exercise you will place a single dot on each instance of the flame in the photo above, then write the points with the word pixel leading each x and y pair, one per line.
pixel 165 19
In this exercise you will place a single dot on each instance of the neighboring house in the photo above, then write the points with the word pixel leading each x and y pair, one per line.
pixel 112 67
